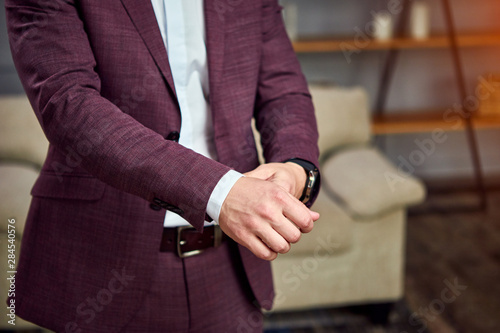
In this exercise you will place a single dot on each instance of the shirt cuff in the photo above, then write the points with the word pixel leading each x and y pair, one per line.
pixel 220 193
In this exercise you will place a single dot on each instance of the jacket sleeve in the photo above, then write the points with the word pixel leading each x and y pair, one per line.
pixel 284 111
pixel 56 65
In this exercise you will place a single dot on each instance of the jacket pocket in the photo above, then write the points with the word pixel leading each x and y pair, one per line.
pixel 71 187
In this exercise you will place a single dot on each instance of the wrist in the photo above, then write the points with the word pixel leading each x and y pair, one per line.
pixel 300 177
pixel 311 186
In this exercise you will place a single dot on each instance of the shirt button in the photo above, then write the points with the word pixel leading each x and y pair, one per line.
pixel 173 136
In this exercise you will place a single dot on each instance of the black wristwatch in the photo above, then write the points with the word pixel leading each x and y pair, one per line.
pixel 311 180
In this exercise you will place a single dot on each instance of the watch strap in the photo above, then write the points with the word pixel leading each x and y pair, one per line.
pixel 312 175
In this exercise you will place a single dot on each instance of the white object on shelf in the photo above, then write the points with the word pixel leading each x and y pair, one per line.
pixel 420 23
pixel 383 26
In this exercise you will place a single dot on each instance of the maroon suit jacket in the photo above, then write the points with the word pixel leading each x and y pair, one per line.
pixel 98 78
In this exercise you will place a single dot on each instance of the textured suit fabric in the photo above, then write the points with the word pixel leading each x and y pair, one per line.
pixel 198 303
pixel 97 75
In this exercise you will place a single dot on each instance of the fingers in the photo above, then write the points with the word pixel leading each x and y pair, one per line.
pixel 314 215
pixel 274 240
pixel 298 213
pixel 264 217
pixel 260 249
pixel 287 231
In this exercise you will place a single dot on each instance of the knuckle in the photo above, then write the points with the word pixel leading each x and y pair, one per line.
pixel 280 195
pixel 268 255
pixel 283 248
pixel 240 234
pixel 267 211
pixel 295 237
pixel 307 229
pixel 306 223
pixel 252 224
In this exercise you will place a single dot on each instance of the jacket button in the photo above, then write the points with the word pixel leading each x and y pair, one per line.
pixel 177 210
pixel 154 207
pixel 173 136
pixel 174 209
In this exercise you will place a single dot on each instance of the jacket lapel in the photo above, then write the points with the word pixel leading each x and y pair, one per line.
pixel 143 16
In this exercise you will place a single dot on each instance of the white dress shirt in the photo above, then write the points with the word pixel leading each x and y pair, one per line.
pixel 182 26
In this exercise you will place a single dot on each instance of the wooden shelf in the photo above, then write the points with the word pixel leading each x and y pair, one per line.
pixel 427 121
pixel 439 41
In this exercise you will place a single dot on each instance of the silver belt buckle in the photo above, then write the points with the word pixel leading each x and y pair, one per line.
pixel 182 242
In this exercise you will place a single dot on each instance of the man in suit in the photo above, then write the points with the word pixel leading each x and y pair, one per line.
pixel 110 82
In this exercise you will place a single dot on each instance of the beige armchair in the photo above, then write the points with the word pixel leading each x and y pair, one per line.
pixel 355 253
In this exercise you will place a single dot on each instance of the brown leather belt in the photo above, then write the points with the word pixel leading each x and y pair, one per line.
pixel 186 241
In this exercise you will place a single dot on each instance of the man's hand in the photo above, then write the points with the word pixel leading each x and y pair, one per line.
pixel 290 176
pixel 264 217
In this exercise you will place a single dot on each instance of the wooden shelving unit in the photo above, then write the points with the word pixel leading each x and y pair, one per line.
pixel 338 44
pixel 426 121
pixel 408 122
pixel 413 121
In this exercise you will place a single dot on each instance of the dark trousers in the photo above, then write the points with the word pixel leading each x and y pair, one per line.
pixel 204 293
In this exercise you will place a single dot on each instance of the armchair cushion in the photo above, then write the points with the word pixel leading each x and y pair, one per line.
pixel 363 181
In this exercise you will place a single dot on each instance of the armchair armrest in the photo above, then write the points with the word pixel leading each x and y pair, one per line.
pixel 366 184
